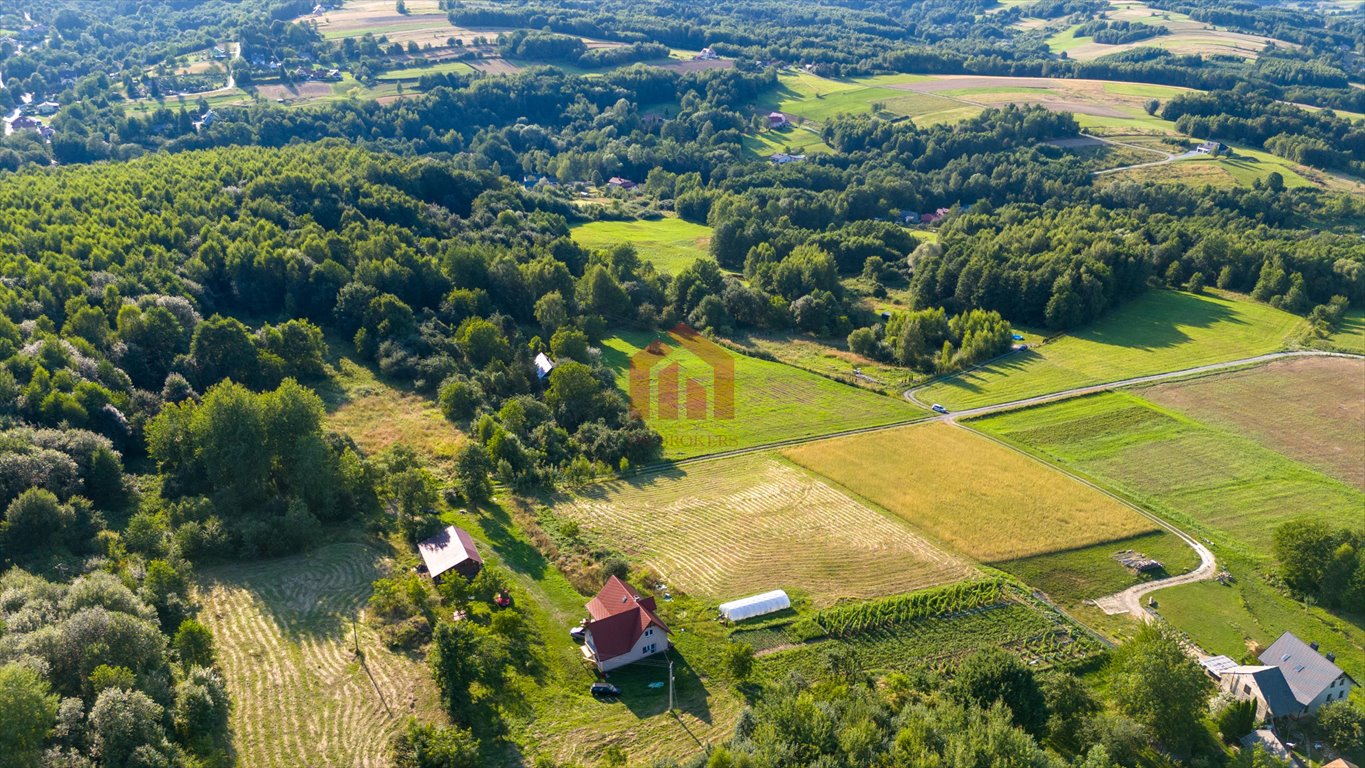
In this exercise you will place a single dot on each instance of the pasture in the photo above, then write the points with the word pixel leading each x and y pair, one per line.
pixel 978 497
pixel 1156 332
pixel 1072 576
pixel 284 630
pixel 772 401
pixel 1226 486
pixel 670 244
pixel 817 99
pixel 1311 409
pixel 1186 36
pixel 722 529
pixel 416 73
pixel 1350 337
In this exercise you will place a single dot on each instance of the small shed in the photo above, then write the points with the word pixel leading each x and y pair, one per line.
pixel 543 365
pixel 755 605
pixel 450 550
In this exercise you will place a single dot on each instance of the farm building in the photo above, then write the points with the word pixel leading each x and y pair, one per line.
pixel 1264 685
pixel 755 605
pixel 777 120
pixel 706 55
pixel 623 627
pixel 1212 148
pixel 782 158
pixel 450 550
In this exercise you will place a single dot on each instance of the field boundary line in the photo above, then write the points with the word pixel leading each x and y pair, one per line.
pixel 1128 600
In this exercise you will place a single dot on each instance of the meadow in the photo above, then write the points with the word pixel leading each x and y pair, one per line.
pixel 772 402
pixel 1156 332
pixel 976 496
pixel 670 244
pixel 817 99
pixel 285 631
pixel 1070 577
pixel 1222 485
pixel 416 73
pixel 1311 409
pixel 1186 36
pixel 1350 337
pixel 377 415
pixel 722 529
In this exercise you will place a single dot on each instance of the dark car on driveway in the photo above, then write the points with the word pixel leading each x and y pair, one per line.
pixel 605 690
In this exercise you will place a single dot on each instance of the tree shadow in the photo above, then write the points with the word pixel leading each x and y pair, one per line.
pixel 519 555
pixel 1158 330
pixel 690 694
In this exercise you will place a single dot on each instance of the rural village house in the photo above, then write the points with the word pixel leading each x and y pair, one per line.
pixel 623 627
pixel 1292 680
pixel 450 550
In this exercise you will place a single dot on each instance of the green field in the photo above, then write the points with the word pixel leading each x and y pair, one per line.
pixel 772 401
pixel 414 73
pixel 1157 332
pixel 1350 337
pixel 1226 487
pixel 1074 575
pixel 817 99
pixel 669 244
pixel 802 140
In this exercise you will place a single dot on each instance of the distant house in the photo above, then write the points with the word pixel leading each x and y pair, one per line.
pixel 616 182
pixel 1212 148
pixel 910 217
pixel 782 158
pixel 450 550
pixel 706 55
pixel 219 52
pixel 543 365
pixel 777 120
pixel 47 108
pixel 208 118
pixel 622 628
pixel 1314 678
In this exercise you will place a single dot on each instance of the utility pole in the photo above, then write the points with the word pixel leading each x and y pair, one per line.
pixel 670 685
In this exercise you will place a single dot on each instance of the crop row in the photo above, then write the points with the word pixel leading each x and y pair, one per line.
pixel 849 620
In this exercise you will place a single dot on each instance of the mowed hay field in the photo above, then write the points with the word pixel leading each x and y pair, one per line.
pixel 772 401
pixel 669 244
pixel 1310 408
pixel 723 529
pixel 299 694
pixel 377 415
pixel 1158 331
pixel 1228 487
pixel 981 498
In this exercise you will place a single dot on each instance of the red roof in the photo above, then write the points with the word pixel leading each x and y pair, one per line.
pixel 619 616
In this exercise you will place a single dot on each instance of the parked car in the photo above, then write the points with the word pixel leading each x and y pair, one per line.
pixel 605 690
pixel 578 634
pixel 939 409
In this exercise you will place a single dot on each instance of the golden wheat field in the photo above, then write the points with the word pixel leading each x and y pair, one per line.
pixel 732 527
pixel 977 496
pixel 300 695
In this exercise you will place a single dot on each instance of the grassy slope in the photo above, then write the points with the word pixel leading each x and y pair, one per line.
pixel 1156 332
pixel 284 634
pixel 669 244
pixel 1351 336
pixel 1071 576
pixel 773 402
pixel 984 500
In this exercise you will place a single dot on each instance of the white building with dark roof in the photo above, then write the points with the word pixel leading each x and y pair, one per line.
pixel 1314 678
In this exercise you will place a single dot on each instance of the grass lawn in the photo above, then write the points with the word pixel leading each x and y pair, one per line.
pixel 378 415
pixel 736 526
pixel 1158 331
pixel 670 244
pixel 1310 409
pixel 982 499
pixel 1227 487
pixel 1351 336
pixel 803 140
pixel 1071 576
pixel 1249 615
pixel 772 401
pixel 283 629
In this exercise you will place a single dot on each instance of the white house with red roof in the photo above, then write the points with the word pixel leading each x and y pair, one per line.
pixel 623 627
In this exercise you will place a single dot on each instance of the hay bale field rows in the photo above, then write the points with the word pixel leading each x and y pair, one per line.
pixel 978 497
pixel 300 696
pixel 736 526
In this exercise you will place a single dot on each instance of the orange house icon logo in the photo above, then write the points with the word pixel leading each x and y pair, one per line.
pixel 680 396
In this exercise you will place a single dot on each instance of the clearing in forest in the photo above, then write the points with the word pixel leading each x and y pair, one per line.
pixel 1185 36
pixel 772 401
pixel 1310 408
pixel 979 497
pixel 285 635
pixel 1228 487
pixel 376 415
pixel 1157 332
pixel 670 244
pixel 736 526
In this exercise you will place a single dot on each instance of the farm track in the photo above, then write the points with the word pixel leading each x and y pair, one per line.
pixel 1126 601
